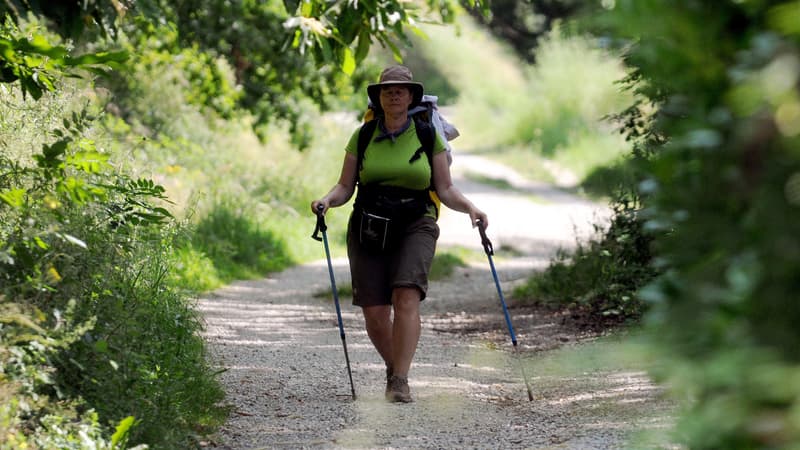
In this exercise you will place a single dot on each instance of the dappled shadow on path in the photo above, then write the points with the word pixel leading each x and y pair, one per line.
pixel 284 372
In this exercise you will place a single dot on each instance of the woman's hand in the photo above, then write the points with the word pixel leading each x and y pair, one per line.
pixel 316 204
pixel 476 215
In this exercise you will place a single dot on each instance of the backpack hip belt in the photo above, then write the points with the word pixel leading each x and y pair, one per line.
pixel 394 203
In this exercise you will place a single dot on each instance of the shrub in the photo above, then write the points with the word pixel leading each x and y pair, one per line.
pixel 600 277
pixel 84 251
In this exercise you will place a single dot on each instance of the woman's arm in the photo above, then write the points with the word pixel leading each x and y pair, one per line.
pixel 450 195
pixel 341 192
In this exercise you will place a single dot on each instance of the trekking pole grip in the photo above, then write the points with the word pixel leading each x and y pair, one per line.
pixel 487 244
pixel 320 223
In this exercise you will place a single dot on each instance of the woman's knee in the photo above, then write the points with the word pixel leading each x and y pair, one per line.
pixel 406 299
pixel 377 316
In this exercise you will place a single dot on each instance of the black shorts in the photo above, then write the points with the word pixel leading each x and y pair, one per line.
pixel 407 265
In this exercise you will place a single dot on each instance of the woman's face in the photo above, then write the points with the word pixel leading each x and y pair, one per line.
pixel 395 99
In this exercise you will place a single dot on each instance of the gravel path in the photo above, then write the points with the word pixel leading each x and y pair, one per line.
pixel 285 376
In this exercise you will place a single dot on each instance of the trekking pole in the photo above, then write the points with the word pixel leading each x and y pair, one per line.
pixel 324 228
pixel 487 247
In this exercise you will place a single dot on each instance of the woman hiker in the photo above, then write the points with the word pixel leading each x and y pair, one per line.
pixel 392 232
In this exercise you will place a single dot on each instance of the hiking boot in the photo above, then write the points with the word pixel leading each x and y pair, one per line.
pixel 398 390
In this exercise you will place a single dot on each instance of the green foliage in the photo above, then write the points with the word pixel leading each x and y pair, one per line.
pixel 73 20
pixel 565 114
pixel 603 181
pixel 37 64
pixel 304 53
pixel 574 89
pixel 721 200
pixel 485 99
pixel 273 82
pixel 187 74
pixel 329 30
pixel 600 277
pixel 193 269
pixel 83 255
pixel 218 174
pixel 151 364
pixel 282 54
pixel 69 174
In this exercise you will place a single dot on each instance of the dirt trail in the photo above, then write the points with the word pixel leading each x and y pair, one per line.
pixel 278 340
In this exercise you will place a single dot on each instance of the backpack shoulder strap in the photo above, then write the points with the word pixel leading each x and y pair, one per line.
pixel 364 135
pixel 426 134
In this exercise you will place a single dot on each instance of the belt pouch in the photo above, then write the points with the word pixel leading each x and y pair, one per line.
pixel 373 231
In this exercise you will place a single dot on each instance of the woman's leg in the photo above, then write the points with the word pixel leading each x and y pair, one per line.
pixel 406 328
pixel 379 329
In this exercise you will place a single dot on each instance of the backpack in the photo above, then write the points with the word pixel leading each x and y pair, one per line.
pixel 428 122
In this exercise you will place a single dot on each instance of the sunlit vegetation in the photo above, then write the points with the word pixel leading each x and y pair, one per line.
pixel 92 332
pixel 600 278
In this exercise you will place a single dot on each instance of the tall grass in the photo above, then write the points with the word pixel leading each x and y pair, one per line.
pixel 144 357
pixel 573 90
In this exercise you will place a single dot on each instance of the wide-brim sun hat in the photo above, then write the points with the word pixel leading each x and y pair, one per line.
pixel 395 75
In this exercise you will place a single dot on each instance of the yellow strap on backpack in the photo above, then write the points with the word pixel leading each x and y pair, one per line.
pixel 436 201
pixel 369 114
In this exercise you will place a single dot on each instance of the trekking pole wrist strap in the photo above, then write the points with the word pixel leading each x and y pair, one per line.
pixel 320 227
